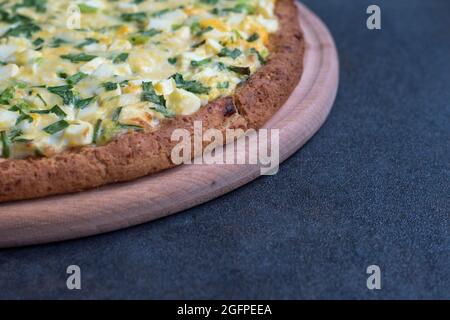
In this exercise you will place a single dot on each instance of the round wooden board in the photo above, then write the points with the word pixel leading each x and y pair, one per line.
pixel 126 204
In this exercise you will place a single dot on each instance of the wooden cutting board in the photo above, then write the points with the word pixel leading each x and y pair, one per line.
pixel 126 204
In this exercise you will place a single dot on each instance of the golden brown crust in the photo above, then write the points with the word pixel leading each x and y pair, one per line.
pixel 136 154
pixel 268 89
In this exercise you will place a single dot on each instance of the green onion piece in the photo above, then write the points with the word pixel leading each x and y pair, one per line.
pixel 131 127
pixel 97 128
pixel 253 37
pixel 110 86
pixel 172 61
pixel 240 70
pixel 78 57
pixel 225 52
pixel 56 127
pixel 200 63
pixel 77 77
pixel 116 114
pixel 6 144
pixel 58 111
pixel 83 103
pixel 121 58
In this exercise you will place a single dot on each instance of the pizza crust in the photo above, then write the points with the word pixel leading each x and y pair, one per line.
pixel 137 154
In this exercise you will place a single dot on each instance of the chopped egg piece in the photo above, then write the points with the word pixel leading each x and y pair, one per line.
pixel 183 102
pixel 7 119
pixel 79 133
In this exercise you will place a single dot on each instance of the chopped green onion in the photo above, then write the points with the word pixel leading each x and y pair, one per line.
pixel 56 127
pixel 97 128
pixel 6 144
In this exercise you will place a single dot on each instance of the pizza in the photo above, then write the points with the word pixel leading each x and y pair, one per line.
pixel 90 91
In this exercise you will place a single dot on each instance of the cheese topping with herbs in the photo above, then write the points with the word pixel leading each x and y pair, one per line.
pixel 76 73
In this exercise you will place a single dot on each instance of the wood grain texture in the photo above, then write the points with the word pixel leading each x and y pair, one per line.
pixel 126 204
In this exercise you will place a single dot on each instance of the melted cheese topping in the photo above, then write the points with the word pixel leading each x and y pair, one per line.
pixel 76 73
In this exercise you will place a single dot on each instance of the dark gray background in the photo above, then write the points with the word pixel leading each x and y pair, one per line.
pixel 372 187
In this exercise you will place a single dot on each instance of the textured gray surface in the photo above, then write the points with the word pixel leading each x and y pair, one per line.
pixel 372 187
